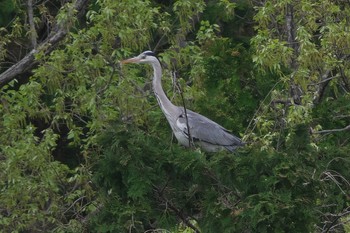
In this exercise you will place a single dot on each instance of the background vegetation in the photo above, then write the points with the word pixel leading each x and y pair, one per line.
pixel 85 148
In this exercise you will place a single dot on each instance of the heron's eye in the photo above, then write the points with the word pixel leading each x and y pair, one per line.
pixel 143 57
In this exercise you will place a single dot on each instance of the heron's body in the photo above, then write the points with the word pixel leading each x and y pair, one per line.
pixel 202 131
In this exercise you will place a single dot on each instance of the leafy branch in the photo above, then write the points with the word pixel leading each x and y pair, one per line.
pixel 46 47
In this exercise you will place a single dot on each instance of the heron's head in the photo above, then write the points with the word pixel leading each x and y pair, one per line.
pixel 145 57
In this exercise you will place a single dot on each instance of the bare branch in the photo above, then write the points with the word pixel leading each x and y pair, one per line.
pixel 331 130
pixel 295 90
pixel 45 47
pixel 335 223
pixel 341 116
pixel 101 91
pixel 324 80
pixel 290 28
pixel 76 201
pixel 32 33
pixel 284 102
pixel 333 176
pixel 322 86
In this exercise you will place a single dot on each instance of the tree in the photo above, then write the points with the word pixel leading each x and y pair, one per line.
pixel 305 43
pixel 85 148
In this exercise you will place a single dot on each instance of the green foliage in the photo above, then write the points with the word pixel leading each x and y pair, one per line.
pixel 33 184
pixel 285 191
pixel 7 10
pixel 133 166
pixel 228 92
pixel 85 148
pixel 295 46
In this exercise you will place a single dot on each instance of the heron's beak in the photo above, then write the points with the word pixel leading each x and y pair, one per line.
pixel 131 60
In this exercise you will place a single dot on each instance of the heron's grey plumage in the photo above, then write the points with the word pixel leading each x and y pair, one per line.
pixel 202 131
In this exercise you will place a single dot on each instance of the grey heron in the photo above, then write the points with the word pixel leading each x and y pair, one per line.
pixel 193 128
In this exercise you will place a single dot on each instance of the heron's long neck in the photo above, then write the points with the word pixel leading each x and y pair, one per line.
pixel 168 108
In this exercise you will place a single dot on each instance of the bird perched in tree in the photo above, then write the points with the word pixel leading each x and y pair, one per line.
pixel 189 127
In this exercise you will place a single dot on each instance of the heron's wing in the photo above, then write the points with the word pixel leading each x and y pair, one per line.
pixel 204 129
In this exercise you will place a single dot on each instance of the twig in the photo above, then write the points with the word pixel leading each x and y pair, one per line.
pixel 93 213
pixel 78 199
pixel 341 116
pixel 175 210
pixel 190 139
pixel 337 217
pixel 324 80
pixel 220 185
pixel 102 90
pixel 260 106
pixel 333 177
